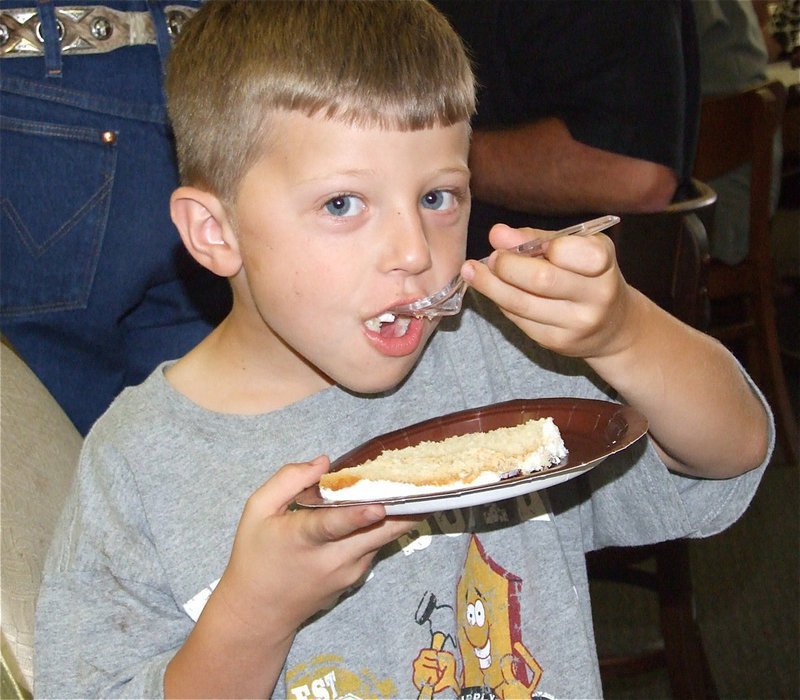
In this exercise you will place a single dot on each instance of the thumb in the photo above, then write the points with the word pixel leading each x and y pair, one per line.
pixel 277 493
pixel 503 237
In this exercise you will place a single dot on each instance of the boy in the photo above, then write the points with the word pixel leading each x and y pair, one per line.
pixel 323 149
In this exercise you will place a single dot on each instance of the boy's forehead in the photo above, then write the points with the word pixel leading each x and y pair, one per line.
pixel 305 153
pixel 293 119
pixel 287 130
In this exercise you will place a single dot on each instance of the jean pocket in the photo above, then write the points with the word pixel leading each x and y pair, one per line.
pixel 56 191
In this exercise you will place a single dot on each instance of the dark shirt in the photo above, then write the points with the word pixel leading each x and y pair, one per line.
pixel 622 74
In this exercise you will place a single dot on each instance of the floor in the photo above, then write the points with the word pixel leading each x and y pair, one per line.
pixel 747 591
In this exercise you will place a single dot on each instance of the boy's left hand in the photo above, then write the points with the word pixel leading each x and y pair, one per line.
pixel 572 300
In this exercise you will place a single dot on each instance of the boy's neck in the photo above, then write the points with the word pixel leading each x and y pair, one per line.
pixel 223 375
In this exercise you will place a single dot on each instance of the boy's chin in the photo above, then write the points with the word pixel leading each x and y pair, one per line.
pixel 367 385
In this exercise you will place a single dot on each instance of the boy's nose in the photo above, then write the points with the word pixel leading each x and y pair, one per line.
pixel 407 243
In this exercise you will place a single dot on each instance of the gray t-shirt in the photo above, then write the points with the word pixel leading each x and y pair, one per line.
pixel 149 525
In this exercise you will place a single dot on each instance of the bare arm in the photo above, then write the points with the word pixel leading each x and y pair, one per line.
pixel 539 167
pixel 225 657
pixel 702 413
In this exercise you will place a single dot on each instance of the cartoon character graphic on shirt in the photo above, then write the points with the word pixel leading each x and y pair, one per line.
pixel 495 663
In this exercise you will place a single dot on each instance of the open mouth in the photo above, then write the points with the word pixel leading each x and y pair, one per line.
pixel 485 655
pixel 389 325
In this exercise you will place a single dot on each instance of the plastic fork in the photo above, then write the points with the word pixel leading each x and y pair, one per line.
pixel 447 301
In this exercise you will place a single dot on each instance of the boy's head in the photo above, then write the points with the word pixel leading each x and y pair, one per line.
pixel 390 63
pixel 324 153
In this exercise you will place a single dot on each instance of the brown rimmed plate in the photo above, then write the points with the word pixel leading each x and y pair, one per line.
pixel 592 431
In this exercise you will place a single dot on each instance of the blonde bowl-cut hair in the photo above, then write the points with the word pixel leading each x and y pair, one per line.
pixel 394 64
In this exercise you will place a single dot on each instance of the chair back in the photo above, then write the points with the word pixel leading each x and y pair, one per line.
pixel 665 254
pixel 737 129
pixel 734 130
pixel 39 452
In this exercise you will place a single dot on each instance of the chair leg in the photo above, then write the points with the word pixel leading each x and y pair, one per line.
pixel 687 664
pixel 786 423
pixel 682 653
pixel 757 364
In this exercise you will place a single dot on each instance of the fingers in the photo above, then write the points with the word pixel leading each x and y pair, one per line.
pixel 567 252
pixel 325 525
pixel 348 533
pixel 503 237
pixel 568 299
pixel 589 256
pixel 366 528
pixel 562 272
pixel 320 526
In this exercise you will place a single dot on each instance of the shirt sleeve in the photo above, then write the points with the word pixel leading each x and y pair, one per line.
pixel 630 498
pixel 105 627
pixel 633 499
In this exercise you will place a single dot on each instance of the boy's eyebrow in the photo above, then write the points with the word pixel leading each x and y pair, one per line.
pixel 456 170
pixel 367 172
pixel 353 172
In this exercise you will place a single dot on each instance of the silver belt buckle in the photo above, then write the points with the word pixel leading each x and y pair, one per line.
pixel 84 30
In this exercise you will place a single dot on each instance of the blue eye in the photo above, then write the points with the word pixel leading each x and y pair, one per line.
pixel 438 200
pixel 344 205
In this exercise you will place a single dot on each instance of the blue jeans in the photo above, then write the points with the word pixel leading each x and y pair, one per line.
pixel 95 285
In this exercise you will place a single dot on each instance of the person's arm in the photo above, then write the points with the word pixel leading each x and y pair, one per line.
pixel 540 168
pixel 701 411
pixel 285 566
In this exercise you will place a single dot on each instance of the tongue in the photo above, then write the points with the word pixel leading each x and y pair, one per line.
pixel 390 330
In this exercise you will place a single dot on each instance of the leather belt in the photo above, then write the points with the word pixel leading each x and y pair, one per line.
pixel 85 30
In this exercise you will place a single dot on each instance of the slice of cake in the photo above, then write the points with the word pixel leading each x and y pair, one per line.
pixel 456 462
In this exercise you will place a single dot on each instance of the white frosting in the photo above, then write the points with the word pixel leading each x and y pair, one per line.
pixel 454 455
pixel 551 452
pixel 374 490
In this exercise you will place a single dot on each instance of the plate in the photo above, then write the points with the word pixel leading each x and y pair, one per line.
pixel 592 431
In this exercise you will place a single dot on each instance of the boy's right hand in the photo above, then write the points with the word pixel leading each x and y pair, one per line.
pixel 286 565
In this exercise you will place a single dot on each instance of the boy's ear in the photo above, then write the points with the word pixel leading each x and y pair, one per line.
pixel 205 229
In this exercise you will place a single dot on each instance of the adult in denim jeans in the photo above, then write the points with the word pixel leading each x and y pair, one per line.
pixel 95 286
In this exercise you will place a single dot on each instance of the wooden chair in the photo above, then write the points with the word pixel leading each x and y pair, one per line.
pixel 735 130
pixel 790 167
pixel 663 569
pixel 664 255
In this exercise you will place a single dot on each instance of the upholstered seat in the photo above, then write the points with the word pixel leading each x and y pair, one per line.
pixel 39 449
